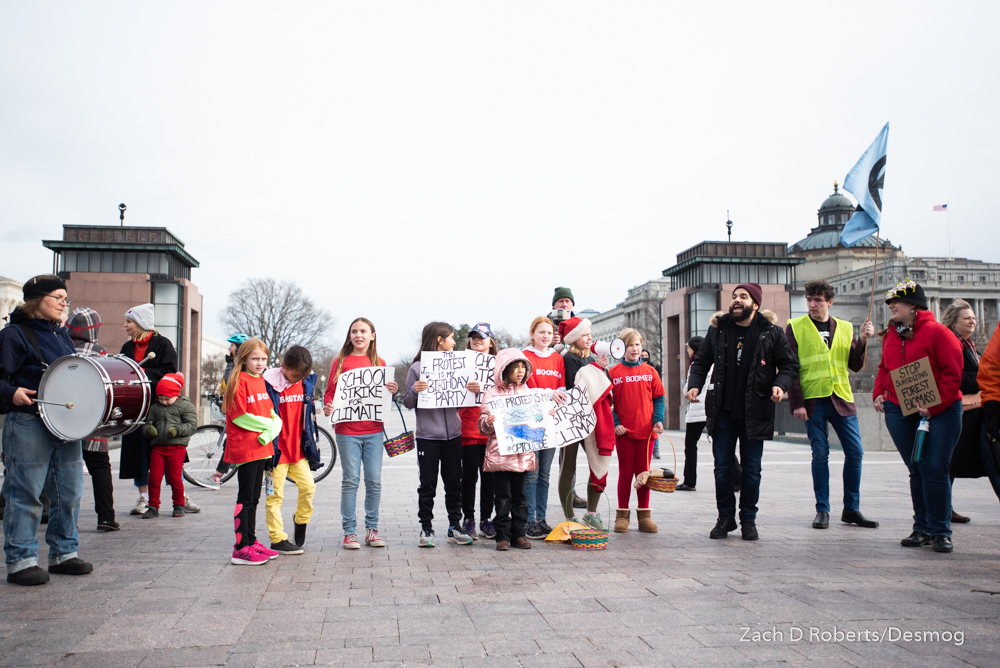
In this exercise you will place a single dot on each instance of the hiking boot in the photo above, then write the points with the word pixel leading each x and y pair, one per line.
pixel 749 531
pixel 594 521
pixel 74 566
pixel 646 523
pixel 179 511
pixel 469 528
pixel 284 547
pixel 722 528
pixel 300 534
pixel 351 542
pixel 426 538
pixel 622 516
pixel 150 512
pixel 28 577
pixel 247 556
pixel 270 554
pixel 140 506
pixel 535 531
pixel 372 539
pixel 579 502
pixel 916 539
pixel 521 543
pixel 456 535
pixel 943 544
pixel 190 506
pixel 502 546
pixel 486 529
pixel 108 525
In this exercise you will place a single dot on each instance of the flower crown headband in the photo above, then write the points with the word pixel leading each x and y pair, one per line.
pixel 901 288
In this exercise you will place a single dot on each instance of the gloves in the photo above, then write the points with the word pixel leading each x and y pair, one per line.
pixel 151 431
pixel 991 419
pixel 172 432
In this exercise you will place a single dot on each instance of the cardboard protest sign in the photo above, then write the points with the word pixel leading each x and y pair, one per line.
pixel 362 395
pixel 447 374
pixel 575 419
pixel 483 366
pixel 523 423
pixel 915 384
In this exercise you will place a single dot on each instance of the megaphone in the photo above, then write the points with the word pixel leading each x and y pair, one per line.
pixel 616 348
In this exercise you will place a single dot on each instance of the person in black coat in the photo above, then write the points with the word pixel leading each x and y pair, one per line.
pixel 144 339
pixel 754 367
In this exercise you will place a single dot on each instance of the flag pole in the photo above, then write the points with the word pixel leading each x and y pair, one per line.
pixel 948 210
pixel 871 301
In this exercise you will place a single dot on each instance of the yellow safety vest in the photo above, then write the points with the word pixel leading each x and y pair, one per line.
pixel 822 370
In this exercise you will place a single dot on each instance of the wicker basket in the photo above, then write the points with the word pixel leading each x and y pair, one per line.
pixel 662 484
pixel 589 539
pixel 402 443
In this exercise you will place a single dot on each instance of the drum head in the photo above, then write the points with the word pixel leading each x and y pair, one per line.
pixel 73 379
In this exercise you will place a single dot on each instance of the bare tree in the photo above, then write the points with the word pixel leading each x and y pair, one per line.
pixel 212 370
pixel 279 314
pixel 507 340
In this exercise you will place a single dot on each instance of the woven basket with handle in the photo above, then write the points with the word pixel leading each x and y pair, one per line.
pixel 661 484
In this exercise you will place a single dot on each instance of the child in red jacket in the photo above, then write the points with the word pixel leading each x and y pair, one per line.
pixel 474 449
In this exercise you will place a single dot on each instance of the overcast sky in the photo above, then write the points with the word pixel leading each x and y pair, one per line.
pixel 457 161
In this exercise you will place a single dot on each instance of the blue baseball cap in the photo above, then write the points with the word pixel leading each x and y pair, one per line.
pixel 483 329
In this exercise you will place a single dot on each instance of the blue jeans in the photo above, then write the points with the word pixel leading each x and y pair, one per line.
pixel 850 438
pixel 930 482
pixel 365 449
pixel 727 431
pixel 536 486
pixel 35 460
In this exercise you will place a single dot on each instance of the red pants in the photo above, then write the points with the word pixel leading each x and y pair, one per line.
pixel 633 459
pixel 171 459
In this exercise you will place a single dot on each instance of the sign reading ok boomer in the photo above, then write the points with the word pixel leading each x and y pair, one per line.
pixel 448 373
pixel 915 385
pixel 362 395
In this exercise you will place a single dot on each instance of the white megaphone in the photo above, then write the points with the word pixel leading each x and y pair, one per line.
pixel 616 348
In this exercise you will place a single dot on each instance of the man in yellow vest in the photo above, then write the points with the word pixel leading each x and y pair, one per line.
pixel 826 348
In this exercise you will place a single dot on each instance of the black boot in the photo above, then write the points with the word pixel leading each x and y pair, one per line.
pixel 722 528
pixel 822 521
pixel 916 539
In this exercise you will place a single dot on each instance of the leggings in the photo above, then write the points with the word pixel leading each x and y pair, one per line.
pixel 633 459
pixel 473 456
pixel 567 474
pixel 250 477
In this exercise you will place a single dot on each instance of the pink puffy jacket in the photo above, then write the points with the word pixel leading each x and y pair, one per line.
pixel 494 461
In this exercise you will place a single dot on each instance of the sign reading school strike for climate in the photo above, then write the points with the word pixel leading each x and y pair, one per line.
pixel 523 423
pixel 574 420
pixel 447 375
pixel 362 395
pixel 915 385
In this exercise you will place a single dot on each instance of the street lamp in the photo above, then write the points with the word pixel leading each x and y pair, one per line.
pixel 121 208
pixel 729 226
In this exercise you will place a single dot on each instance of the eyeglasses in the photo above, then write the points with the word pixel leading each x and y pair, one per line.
pixel 60 300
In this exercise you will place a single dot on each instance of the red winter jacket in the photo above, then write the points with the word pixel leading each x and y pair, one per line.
pixel 930 339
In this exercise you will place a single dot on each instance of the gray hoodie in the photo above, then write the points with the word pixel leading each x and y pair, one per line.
pixel 436 424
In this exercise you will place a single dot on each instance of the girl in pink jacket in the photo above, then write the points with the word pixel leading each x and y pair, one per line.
pixel 511 374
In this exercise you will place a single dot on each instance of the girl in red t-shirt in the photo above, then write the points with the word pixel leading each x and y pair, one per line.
pixel 548 372
pixel 639 410
pixel 251 426
pixel 474 448
pixel 359 442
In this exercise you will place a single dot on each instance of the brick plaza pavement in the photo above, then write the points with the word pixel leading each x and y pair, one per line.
pixel 164 594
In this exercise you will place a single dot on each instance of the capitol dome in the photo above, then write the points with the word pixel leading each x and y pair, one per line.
pixel 832 216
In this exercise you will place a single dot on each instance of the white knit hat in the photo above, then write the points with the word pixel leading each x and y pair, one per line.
pixel 141 315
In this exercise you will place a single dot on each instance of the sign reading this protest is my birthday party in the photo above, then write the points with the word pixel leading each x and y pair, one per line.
pixel 915 386
pixel 523 423
pixel 448 373
pixel 361 395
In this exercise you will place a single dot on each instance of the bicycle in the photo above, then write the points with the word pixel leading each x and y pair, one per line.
pixel 208 443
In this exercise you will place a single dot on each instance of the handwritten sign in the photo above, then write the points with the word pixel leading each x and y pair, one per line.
pixel 484 365
pixel 447 375
pixel 523 423
pixel 575 419
pixel 915 384
pixel 362 395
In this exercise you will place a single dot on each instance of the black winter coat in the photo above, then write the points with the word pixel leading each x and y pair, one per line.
pixel 773 363
pixel 135 446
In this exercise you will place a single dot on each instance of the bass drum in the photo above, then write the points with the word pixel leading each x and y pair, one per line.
pixel 110 396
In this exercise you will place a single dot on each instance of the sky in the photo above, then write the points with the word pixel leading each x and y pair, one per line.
pixel 457 161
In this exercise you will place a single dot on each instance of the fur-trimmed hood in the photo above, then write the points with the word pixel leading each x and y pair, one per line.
pixel 771 316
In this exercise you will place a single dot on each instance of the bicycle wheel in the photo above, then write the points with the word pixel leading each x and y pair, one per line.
pixel 327 453
pixel 204 452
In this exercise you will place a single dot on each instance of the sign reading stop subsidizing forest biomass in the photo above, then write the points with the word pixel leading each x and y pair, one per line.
pixel 915 386
pixel 361 395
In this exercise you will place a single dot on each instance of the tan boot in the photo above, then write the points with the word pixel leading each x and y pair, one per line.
pixel 621 520
pixel 646 524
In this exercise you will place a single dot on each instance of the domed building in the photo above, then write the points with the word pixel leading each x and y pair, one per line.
pixel 825 256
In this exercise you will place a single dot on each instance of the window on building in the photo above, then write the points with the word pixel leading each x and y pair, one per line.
pixel 798 305
pixel 701 307
pixel 168 309
pixel 982 279
pixel 961 278
pixel 854 287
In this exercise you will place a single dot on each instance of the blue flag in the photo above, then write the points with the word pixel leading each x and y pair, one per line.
pixel 865 181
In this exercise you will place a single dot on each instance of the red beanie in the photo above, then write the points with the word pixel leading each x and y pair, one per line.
pixel 170 385
pixel 756 293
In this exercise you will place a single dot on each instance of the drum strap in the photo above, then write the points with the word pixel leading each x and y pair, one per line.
pixel 29 336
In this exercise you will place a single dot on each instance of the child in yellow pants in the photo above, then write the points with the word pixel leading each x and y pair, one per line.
pixel 292 387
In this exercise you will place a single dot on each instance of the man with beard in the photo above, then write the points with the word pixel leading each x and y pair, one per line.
pixel 754 367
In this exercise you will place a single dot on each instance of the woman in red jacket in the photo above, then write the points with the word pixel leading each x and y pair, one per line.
pixel 912 334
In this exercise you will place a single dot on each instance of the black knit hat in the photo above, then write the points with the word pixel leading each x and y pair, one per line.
pixel 39 286
pixel 909 292
pixel 694 343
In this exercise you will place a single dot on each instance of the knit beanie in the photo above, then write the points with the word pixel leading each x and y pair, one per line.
pixel 170 385
pixel 756 293
pixel 572 329
pixel 563 293
pixel 141 315
pixel 39 286
pixel 694 343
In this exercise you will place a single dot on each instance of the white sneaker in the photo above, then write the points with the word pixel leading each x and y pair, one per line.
pixel 426 539
pixel 456 535
pixel 190 506
pixel 140 506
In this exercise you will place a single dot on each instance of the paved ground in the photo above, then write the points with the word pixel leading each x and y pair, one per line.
pixel 164 594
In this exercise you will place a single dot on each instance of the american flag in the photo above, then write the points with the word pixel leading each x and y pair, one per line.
pixel 940 207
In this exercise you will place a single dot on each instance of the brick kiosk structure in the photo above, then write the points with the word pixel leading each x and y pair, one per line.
pixel 111 269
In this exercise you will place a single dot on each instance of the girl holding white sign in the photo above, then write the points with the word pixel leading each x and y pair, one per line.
pixel 439 444
pixel 474 449
pixel 360 443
